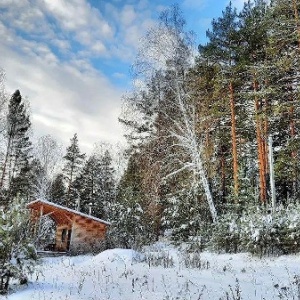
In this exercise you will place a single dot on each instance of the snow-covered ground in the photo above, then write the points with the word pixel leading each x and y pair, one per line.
pixel 162 272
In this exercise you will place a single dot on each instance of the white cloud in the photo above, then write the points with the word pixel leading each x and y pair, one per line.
pixel 63 45
pixel 71 15
pixel 46 50
pixel 25 17
pixel 119 75
pixel 79 18
pixel 131 22
pixel 98 48
pixel 65 100
pixel 128 15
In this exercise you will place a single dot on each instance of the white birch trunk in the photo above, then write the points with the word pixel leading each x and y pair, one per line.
pixel 188 140
pixel 272 180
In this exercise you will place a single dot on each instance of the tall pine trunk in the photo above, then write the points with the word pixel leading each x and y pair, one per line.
pixel 261 145
pixel 296 15
pixel 234 141
pixel 223 174
pixel 292 109
pixel 293 153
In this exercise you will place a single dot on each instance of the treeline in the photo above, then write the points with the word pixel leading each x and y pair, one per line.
pixel 40 169
pixel 199 126
pixel 198 123
pixel 32 170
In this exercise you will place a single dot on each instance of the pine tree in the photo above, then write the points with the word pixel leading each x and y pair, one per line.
pixel 212 126
pixel 222 49
pixel 74 160
pixel 283 53
pixel 253 29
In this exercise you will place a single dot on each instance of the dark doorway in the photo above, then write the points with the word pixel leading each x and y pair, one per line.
pixel 69 239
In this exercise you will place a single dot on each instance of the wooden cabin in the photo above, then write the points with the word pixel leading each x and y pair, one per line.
pixel 76 232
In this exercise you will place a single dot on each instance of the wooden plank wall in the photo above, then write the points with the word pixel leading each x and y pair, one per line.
pixel 87 235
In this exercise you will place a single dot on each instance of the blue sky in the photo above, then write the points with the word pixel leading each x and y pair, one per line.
pixel 72 58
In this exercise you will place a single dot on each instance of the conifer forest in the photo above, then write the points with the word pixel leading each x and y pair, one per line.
pixel 212 155
pixel 214 140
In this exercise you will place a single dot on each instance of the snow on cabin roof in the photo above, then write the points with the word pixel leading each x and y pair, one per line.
pixel 69 210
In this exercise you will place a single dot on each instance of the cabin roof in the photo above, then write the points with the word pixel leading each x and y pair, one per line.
pixel 59 212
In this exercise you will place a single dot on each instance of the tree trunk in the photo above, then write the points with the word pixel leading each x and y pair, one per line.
pixel 4 284
pixel 272 179
pixel 293 153
pixel 265 140
pixel 292 120
pixel 223 176
pixel 234 143
pixel 207 191
pixel 261 146
pixel 296 15
pixel 195 149
pixel 69 188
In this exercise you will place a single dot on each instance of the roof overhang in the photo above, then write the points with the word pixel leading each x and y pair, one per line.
pixel 60 214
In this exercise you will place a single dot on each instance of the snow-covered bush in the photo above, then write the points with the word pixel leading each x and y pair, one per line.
pixel 272 233
pixel 225 235
pixel 259 231
pixel 193 260
pixel 186 219
pixel 131 227
pixel 161 258
pixel 17 252
pixel 46 232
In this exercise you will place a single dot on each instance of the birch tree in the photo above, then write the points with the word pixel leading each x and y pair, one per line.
pixel 167 52
pixel 183 132
pixel 49 154
pixel 3 101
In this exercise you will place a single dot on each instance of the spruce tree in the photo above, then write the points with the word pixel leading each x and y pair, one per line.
pixel 107 178
pixel 96 185
pixel 130 211
pixel 57 191
pixel 18 145
pixel 87 186
pixel 17 253
pixel 74 161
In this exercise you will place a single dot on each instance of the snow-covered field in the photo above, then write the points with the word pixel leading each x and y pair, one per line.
pixel 163 272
